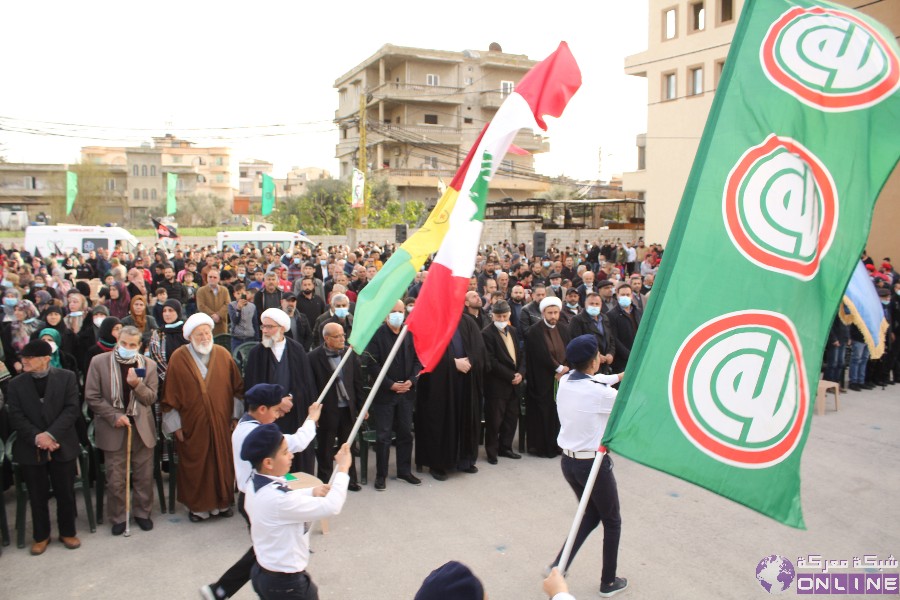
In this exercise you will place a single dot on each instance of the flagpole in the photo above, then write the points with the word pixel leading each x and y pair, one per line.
pixel 579 514
pixel 371 397
pixel 334 375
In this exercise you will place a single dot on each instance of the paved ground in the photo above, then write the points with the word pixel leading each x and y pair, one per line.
pixel 507 522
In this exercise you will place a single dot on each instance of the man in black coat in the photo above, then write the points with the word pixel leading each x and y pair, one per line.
pixel 624 320
pixel 545 349
pixel 501 384
pixel 301 328
pixel 341 404
pixel 279 359
pixel 43 407
pixel 395 398
pixel 310 303
pixel 269 296
pixel 531 312
pixel 592 320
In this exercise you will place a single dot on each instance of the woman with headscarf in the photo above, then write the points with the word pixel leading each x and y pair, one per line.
pixel 137 285
pixel 118 301
pixel 60 358
pixel 166 340
pixel 54 320
pixel 78 312
pixel 42 300
pixel 139 318
pixel 16 334
pixel 107 338
pixel 11 297
pixel 89 334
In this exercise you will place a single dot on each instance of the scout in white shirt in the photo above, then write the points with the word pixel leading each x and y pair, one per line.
pixel 584 401
pixel 266 403
pixel 280 517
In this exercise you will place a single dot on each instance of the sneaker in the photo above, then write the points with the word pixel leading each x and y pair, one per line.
pixel 410 479
pixel 611 589
pixel 379 484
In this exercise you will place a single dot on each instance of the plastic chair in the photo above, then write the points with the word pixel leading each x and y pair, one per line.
pixel 4 522
pixel 241 353
pixel 224 340
pixel 826 386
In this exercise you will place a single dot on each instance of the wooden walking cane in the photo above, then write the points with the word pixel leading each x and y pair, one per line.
pixel 128 484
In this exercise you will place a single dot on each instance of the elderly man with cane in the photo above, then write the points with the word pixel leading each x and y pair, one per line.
pixel 120 389
pixel 584 402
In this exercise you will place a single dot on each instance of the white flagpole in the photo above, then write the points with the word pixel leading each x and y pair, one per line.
pixel 365 408
pixel 579 514
pixel 334 375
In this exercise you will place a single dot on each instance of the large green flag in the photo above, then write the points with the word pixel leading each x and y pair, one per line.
pixel 802 135
pixel 71 191
pixel 268 194
pixel 171 184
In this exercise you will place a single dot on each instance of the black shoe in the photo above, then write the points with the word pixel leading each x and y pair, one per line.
pixel 855 387
pixel 611 589
pixel 439 474
pixel 492 461
pixel 379 484
pixel 892 383
pixel 195 518
pixel 410 479
pixel 509 454
pixel 118 528
pixel 227 513
pixel 144 524
pixel 869 386
pixel 473 469
pixel 354 487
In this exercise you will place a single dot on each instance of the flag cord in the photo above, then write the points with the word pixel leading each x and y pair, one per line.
pixel 365 408
pixel 579 514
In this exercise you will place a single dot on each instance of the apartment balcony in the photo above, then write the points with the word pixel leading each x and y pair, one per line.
pixel 492 99
pixel 415 92
pixel 531 142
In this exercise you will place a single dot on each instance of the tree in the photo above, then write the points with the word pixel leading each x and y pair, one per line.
pixel 96 202
pixel 196 210
pixel 323 209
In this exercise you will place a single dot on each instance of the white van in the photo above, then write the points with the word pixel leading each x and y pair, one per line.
pixel 76 238
pixel 286 241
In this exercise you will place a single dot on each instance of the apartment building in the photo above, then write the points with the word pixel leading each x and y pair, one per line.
pixel 688 42
pixel 424 110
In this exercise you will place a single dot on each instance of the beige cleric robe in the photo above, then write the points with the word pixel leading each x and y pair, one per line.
pixel 206 408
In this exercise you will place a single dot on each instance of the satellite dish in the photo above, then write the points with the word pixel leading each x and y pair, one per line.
pixel 495 47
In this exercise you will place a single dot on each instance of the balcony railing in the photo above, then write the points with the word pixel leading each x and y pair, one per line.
pixel 418 92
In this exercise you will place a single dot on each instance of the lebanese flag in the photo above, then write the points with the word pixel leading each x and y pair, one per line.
pixel 545 90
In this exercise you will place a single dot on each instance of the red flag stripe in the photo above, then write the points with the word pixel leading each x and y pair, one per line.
pixel 436 320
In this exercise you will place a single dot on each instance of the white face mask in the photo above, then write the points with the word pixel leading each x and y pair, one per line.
pixel 501 325
pixel 53 346
pixel 98 321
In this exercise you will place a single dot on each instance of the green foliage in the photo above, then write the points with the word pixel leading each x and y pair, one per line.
pixel 197 210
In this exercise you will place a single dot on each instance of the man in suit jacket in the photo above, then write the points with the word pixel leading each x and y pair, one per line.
pixel 624 319
pixel 592 320
pixel 502 378
pixel 43 408
pixel 121 398
pixel 341 404
pixel 213 300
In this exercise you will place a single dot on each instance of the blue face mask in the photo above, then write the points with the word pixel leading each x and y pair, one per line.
pixel 395 319
pixel 39 285
pixel 126 354
pixel 341 313
pixel 624 301
pixel 296 261
pixel 572 306
pixel 323 262
pixel 76 313
pixel 5 283
pixel 592 310
pixel 546 263
pixel 10 301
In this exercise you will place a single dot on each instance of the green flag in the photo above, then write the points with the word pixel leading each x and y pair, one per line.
pixel 268 194
pixel 71 191
pixel 171 184
pixel 802 135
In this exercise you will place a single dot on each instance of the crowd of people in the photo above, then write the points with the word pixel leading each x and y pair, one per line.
pixel 149 344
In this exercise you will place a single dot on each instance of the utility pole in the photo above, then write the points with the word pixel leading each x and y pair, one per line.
pixel 363 160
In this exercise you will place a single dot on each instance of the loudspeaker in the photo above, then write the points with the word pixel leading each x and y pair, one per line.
pixel 540 243
pixel 400 231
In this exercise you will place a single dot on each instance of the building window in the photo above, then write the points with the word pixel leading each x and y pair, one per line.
pixel 469 81
pixel 153 194
pixel 695 82
pixel 468 120
pixel 670 83
pixel 720 67
pixel 134 170
pixel 152 170
pixel 243 175
pixel 432 79
pixel 431 162
pixel 176 158
pixel 507 88
pixel 670 23
pixel 726 11
pixel 111 185
pixel 200 179
pixel 137 193
pixel 642 158
pixel 431 119
pixel 697 16
pixel 219 161
pixel 145 195
pixel 143 170
pixel 220 178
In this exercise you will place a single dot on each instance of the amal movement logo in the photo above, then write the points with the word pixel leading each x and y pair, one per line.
pixel 781 207
pixel 738 388
pixel 829 59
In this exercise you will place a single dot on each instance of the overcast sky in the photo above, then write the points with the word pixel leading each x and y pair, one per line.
pixel 134 70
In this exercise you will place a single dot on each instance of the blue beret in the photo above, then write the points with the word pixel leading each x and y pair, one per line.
pixel 264 394
pixel 261 443
pixel 581 349
pixel 454 581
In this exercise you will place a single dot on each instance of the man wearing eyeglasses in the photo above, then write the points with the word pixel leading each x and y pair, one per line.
pixel 341 404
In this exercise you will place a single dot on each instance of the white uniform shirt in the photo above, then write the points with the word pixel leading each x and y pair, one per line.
pixel 297 442
pixel 277 517
pixel 583 403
